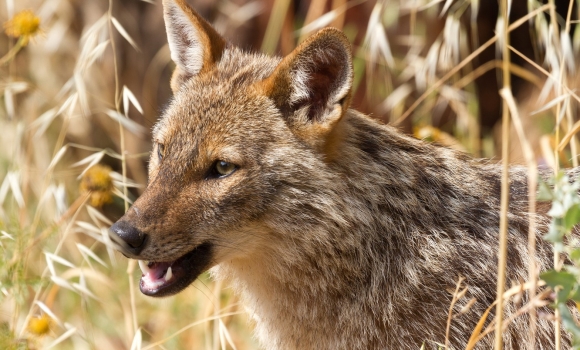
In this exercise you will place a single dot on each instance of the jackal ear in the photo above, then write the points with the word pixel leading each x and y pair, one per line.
pixel 195 46
pixel 312 85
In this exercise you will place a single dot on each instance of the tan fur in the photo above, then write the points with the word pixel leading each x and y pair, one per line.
pixel 210 42
pixel 336 231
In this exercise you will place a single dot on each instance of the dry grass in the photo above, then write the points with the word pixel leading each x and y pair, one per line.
pixel 85 88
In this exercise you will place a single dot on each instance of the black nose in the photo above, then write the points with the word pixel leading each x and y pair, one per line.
pixel 129 234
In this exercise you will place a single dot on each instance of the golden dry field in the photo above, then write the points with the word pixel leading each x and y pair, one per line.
pixel 83 82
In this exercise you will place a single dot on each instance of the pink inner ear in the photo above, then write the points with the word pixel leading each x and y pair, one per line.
pixel 323 79
pixel 316 77
pixel 195 46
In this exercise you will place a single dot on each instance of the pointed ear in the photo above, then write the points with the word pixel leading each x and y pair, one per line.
pixel 312 85
pixel 195 46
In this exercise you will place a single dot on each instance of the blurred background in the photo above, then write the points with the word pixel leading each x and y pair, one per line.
pixel 83 82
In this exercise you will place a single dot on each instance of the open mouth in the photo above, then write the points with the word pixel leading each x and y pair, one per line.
pixel 164 278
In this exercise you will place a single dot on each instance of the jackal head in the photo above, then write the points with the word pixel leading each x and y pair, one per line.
pixel 239 145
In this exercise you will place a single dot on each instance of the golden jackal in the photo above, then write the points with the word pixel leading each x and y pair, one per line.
pixel 336 231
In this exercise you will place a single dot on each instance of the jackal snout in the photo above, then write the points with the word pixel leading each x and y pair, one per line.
pixel 131 239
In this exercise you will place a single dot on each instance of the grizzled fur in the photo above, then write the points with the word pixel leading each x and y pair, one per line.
pixel 336 231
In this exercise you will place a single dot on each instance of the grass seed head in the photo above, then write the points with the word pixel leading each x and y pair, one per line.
pixel 39 325
pixel 97 180
pixel 24 24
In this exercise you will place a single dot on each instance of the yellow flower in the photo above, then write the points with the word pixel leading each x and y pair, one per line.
pixel 432 134
pixel 428 133
pixel 23 25
pixel 98 182
pixel 39 325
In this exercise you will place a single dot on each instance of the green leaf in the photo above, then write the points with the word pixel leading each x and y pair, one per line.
pixel 557 210
pixel 545 193
pixel 572 217
pixel 555 233
pixel 563 279
pixel 568 322
pixel 573 270
pixel 575 295
pixel 575 255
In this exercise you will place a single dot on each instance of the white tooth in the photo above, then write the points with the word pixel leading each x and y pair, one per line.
pixel 143 265
pixel 168 274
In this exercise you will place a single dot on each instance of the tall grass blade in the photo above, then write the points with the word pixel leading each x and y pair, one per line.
pixel 14 180
pixel 86 252
pixel 57 157
pixel 49 312
pixel 126 122
pixel 62 338
pixel 137 340
pixel 124 33
pixel 129 97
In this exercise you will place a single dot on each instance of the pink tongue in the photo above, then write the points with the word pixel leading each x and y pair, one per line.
pixel 155 277
pixel 158 269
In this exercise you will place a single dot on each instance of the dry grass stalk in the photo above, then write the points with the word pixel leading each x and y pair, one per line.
pixel 41 211
pixel 466 61
pixel 275 23
pixel 457 294
pixel 479 332
pixel 532 186
pixel 505 182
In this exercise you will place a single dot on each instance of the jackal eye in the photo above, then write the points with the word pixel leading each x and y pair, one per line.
pixel 160 151
pixel 223 168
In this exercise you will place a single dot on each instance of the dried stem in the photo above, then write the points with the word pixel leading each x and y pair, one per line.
pixel 505 182
pixel 465 62
pixel 450 315
pixel 131 264
pixel 275 23
pixel 532 188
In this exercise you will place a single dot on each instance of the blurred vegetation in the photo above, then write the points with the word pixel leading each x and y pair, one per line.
pixel 565 278
pixel 82 82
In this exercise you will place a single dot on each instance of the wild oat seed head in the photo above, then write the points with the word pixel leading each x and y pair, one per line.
pixel 97 180
pixel 39 325
pixel 23 25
